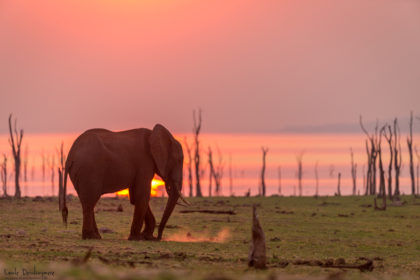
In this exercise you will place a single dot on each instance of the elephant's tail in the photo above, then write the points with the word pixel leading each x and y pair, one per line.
pixel 64 210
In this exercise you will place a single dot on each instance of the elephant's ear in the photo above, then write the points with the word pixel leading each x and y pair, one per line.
pixel 160 143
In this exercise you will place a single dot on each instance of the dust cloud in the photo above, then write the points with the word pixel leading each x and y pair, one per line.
pixel 189 236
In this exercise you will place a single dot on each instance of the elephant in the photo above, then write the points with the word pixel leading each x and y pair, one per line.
pixel 101 161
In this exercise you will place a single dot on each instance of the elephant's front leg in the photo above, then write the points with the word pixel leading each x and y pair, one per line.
pixel 150 224
pixel 141 204
pixel 140 209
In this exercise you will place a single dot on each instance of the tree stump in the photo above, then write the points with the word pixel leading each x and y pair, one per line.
pixel 257 254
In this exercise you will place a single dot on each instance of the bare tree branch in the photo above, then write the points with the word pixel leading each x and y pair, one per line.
pixel 363 127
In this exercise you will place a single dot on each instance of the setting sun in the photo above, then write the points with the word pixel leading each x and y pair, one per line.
pixel 155 190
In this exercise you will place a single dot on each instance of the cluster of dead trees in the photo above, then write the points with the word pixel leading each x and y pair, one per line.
pixel 389 180
pixel 215 167
pixel 15 141
pixel 299 173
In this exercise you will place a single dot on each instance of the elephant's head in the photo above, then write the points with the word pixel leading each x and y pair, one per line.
pixel 169 158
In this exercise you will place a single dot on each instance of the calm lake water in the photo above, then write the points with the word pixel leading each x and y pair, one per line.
pixel 331 151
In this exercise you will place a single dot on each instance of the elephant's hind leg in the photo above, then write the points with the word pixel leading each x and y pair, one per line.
pixel 90 229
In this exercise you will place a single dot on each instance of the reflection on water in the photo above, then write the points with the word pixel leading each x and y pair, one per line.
pixel 332 151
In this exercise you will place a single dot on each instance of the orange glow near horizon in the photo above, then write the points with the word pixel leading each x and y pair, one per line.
pixel 155 190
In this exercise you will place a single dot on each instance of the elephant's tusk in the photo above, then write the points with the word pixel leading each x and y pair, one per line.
pixel 182 198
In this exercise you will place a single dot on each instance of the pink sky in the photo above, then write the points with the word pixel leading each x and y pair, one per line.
pixel 252 66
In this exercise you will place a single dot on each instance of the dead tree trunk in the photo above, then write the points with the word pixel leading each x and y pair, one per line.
pixel 32 172
pixel 418 181
pixel 15 142
pixel 189 167
pixel 369 170
pixel 218 173
pixel 43 161
pixel 230 176
pixel 397 158
pixel 25 164
pixel 3 175
pixel 353 171
pixel 316 179
pixel 339 184
pixel 382 192
pixel 388 136
pixel 279 178
pixel 51 165
pixel 364 177
pixel 375 204
pixel 299 175
pixel 264 154
pixel 372 155
pixel 410 152
pixel 196 131
pixel 211 171
pixel 418 171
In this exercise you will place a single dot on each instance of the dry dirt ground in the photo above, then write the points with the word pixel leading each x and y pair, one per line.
pixel 306 237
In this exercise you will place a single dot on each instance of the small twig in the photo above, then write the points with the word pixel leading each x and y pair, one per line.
pixel 104 260
pixel 87 256
pixel 78 261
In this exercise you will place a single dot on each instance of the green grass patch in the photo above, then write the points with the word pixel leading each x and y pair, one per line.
pixel 296 228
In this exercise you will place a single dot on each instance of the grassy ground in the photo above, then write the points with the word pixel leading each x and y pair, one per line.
pixel 306 228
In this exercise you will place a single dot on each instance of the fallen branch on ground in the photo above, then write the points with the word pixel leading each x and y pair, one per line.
pixel 228 212
pixel 368 266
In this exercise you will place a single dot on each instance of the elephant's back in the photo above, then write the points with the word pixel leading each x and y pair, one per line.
pixel 87 146
pixel 89 140
pixel 96 143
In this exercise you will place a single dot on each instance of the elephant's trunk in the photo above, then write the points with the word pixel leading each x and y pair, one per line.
pixel 170 205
